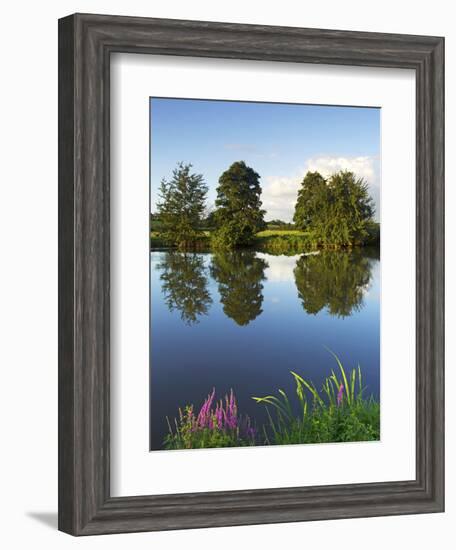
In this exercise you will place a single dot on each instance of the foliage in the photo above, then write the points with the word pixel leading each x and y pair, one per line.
pixel 239 275
pixel 184 285
pixel 280 233
pixel 373 234
pixel 181 206
pixel 284 242
pixel 337 211
pixel 272 241
pixel 296 241
pixel 336 280
pixel 213 426
pixel 209 221
pixel 154 222
pixel 337 413
pixel 312 196
pixel 238 214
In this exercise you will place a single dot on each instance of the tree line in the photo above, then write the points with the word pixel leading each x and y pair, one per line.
pixel 336 211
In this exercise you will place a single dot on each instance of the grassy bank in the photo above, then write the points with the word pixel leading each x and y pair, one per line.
pixel 287 241
pixel 273 241
pixel 202 244
pixel 339 412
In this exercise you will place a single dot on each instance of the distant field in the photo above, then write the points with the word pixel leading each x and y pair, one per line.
pixel 280 233
pixel 155 234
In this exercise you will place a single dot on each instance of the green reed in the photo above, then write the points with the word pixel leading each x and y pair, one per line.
pixel 338 412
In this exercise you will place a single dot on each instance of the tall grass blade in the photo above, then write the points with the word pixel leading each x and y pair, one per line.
pixel 310 387
pixel 341 368
pixel 287 403
pixel 360 382
pixel 274 401
pixel 353 374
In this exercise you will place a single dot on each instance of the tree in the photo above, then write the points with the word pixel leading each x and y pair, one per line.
pixel 337 211
pixel 184 285
pixel 312 197
pixel 181 206
pixel 238 214
pixel 209 218
pixel 240 276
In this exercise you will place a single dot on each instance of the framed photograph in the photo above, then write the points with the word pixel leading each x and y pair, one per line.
pixel 251 274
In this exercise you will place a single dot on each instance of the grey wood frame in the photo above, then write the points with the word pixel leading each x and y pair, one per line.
pixel 85 45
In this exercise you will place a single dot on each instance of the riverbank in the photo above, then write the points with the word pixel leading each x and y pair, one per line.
pixel 340 412
pixel 273 241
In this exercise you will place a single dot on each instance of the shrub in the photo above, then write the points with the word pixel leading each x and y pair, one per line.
pixel 213 426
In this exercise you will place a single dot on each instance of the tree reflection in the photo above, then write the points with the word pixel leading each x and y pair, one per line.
pixel 336 280
pixel 184 285
pixel 239 274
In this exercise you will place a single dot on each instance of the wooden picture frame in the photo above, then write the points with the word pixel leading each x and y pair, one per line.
pixel 85 45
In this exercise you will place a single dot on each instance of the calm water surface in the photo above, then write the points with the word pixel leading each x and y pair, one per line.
pixel 244 319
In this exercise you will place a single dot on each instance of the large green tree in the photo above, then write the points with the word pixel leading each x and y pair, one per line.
pixel 238 214
pixel 337 211
pixel 312 196
pixel 181 206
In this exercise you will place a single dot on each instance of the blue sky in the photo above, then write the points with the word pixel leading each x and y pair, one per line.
pixel 279 141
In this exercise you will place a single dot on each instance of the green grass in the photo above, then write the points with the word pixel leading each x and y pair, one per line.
pixel 157 242
pixel 279 233
pixel 339 412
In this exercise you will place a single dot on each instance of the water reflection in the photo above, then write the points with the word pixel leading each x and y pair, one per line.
pixel 336 280
pixel 239 275
pixel 246 308
pixel 184 285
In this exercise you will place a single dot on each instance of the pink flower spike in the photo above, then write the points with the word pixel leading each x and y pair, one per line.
pixel 340 395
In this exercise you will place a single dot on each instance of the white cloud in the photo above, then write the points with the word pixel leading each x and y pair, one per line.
pixel 280 193
pixel 361 166
pixel 279 196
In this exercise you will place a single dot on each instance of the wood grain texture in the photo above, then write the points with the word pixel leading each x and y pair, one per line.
pixel 85 45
